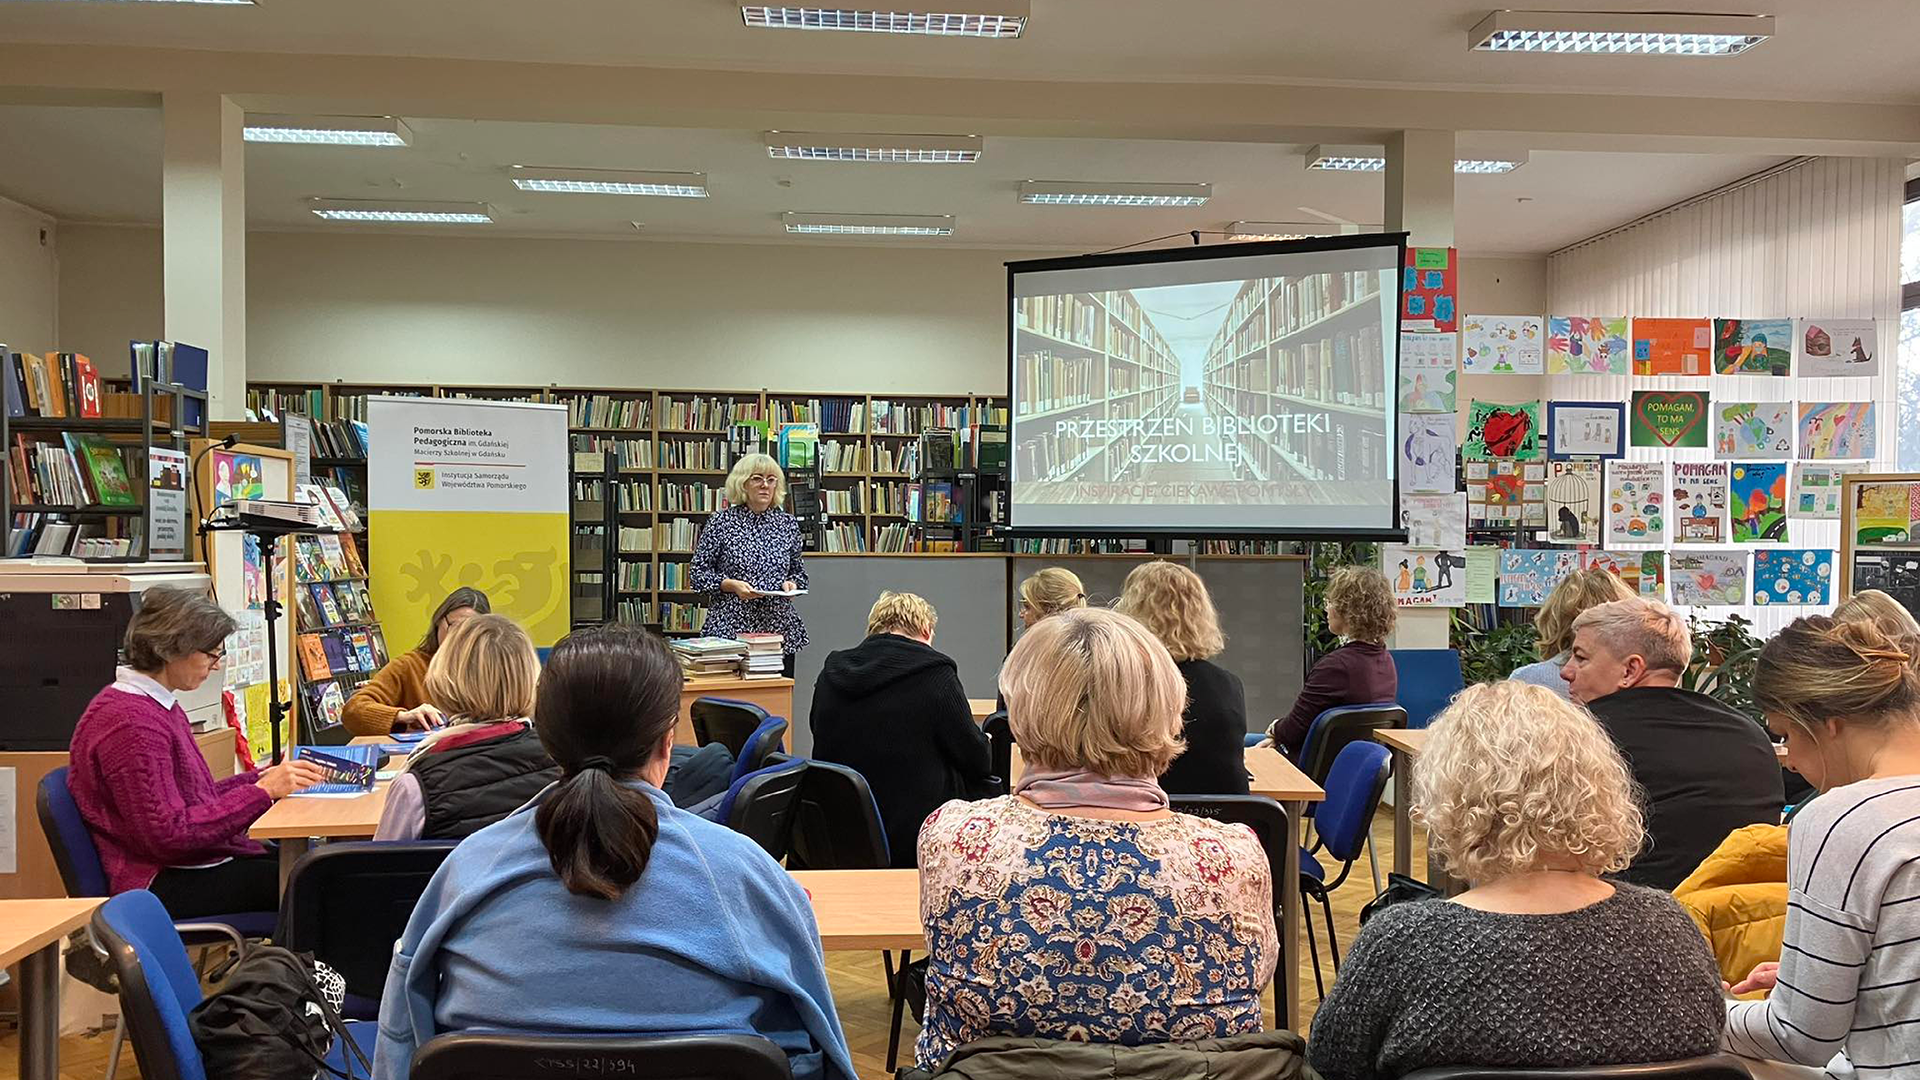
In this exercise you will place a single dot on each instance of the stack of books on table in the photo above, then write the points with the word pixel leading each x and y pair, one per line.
pixel 709 657
pixel 764 656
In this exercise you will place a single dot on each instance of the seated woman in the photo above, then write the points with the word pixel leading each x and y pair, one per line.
pixel 892 709
pixel 1173 602
pixel 1045 593
pixel 1542 962
pixel 1576 593
pixel 486 763
pixel 157 815
pixel 1846 695
pixel 1360 609
pixel 396 696
pixel 604 909
pixel 1876 607
pixel 1081 907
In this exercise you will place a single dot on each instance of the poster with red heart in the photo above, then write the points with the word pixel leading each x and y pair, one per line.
pixel 1668 418
pixel 1502 430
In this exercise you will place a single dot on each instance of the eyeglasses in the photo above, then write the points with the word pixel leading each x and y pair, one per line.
pixel 762 478
pixel 216 655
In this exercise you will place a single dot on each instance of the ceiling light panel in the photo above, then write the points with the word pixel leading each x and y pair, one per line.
pixel 677 185
pixel 877 149
pixel 1008 19
pixel 1374 159
pixel 869 224
pixel 329 130
pixel 1617 34
pixel 402 212
pixel 1070 193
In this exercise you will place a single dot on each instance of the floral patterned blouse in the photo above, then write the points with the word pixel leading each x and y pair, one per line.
pixel 762 550
pixel 1048 926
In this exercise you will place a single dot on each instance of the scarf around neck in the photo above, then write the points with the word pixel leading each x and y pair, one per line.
pixel 1077 787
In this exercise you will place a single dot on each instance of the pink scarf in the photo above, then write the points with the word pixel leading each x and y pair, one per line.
pixel 1069 787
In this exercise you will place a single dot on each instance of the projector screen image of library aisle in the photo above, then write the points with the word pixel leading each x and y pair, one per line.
pixel 1217 403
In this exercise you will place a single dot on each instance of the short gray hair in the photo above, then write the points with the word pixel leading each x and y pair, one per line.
pixel 172 624
pixel 1647 628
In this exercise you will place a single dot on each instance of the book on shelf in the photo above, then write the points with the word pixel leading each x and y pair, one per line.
pixel 325 705
pixel 51 385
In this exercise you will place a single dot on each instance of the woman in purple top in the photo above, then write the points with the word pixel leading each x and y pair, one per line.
pixel 1360 609
pixel 749 554
pixel 158 817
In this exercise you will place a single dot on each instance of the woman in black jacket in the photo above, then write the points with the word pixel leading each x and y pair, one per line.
pixel 892 709
pixel 1173 602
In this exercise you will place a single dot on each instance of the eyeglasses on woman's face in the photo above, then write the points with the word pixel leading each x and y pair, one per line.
pixel 768 479
pixel 215 655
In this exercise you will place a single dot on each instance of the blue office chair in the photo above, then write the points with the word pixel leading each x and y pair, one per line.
pixel 158 988
pixel 753 751
pixel 762 805
pixel 1714 1067
pixel 1429 678
pixel 724 720
pixel 522 1057
pixel 348 903
pixel 1354 787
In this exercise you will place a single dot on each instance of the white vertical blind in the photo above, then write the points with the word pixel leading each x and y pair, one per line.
pixel 1818 238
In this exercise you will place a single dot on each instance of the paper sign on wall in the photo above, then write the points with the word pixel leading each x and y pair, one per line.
pixel 1838 348
pixel 1573 502
pixel 1699 502
pixel 1831 430
pixel 1708 578
pixel 1429 370
pixel 1757 502
pixel 1503 430
pixel 1793 576
pixel 1503 345
pixel 1672 346
pixel 1430 290
pixel 1588 345
pixel 1425 578
pixel 1435 521
pixel 1816 491
pixel 1753 429
pixel 1753 347
pixel 1636 502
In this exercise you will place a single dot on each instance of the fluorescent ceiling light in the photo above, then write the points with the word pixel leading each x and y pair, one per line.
pixel 1070 193
pixel 870 224
pixel 1007 20
pixel 402 212
pixel 329 130
pixel 1278 230
pixel 1374 159
pixel 678 185
pixel 890 149
pixel 1619 33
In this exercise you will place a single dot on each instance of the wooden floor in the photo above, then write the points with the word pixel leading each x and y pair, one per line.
pixel 859 988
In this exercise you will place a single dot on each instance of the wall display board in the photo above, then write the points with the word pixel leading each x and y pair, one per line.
pixel 1670 418
pixel 1586 429
pixel 1879 521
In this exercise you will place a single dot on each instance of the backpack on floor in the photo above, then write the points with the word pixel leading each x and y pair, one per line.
pixel 274 1017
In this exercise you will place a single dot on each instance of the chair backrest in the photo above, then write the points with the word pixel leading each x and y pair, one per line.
pixel 724 720
pixel 1334 729
pixel 761 805
pixel 1354 787
pixel 157 985
pixel 1267 819
pixel 348 903
pixel 526 1057
pixel 67 836
pixel 837 825
pixel 764 740
pixel 1429 678
pixel 1714 1067
pixel 1000 747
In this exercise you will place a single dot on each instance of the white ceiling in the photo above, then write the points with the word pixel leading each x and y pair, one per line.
pixel 102 164
pixel 1827 50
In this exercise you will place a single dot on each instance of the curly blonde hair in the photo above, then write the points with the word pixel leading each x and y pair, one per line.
pixel 1173 602
pixel 1576 593
pixel 1515 779
pixel 1365 602
pixel 1092 689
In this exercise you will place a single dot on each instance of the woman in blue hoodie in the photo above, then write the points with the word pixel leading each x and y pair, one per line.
pixel 602 908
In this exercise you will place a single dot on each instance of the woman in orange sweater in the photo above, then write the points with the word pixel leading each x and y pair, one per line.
pixel 396 696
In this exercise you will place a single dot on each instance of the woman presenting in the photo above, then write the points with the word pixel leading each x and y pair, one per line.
pixel 748 553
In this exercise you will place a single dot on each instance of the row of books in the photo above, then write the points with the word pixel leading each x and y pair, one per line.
pixel 1064 546
pixel 1345 368
pixel 1044 381
pixel 628 453
pixel 837 456
pixel 749 656
pixel 834 415
pixel 677 618
pixel 269 404
pixel 340 439
pixel 703 455
pixel 933 502
pixel 333 603
pixel 1244 547
pixel 328 654
pixel 679 534
pixel 836 501
pixel 635 540
pixel 588 489
pixel 53 534
pixel 1068 317
pixel 56 384
pixel 607 411
pixel 79 470
pixel 676 576
pixel 687 499
pixel 636 497
pixel 1057 455
pixel 635 576
pixel 896 459
pixel 706 413
pixel 900 418
pixel 327 558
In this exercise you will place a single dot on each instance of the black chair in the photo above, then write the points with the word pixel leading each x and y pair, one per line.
pixel 765 739
pixel 1267 819
pixel 535 1057
pixel 761 805
pixel 1334 729
pixel 1715 1067
pixel 726 721
pixel 348 903
pixel 1000 747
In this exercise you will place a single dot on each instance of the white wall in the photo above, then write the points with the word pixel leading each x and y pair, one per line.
pixel 29 279
pixel 384 308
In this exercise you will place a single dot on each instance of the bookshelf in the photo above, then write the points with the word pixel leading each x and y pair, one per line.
pixel 1089 356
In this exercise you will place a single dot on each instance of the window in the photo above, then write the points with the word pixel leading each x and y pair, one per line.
pixel 1908 388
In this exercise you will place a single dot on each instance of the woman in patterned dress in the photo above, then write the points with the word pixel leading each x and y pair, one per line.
pixel 1080 907
pixel 749 549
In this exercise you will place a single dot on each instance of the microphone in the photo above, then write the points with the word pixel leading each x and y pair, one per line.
pixel 193 474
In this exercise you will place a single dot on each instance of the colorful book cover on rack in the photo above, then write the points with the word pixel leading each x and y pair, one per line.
pixel 379 646
pixel 313 658
pixel 363 650
pixel 106 470
pixel 329 608
pixel 333 557
pixel 328 704
pixel 338 657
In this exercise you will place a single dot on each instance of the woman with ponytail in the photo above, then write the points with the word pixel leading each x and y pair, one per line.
pixel 1846 696
pixel 603 909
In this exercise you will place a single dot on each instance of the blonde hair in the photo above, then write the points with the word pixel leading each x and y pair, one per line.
pixel 1092 689
pixel 485 671
pixel 746 467
pixel 1052 591
pixel 1513 779
pixel 901 611
pixel 1874 606
pixel 1640 627
pixel 1576 593
pixel 1172 601
pixel 1365 602
pixel 1819 668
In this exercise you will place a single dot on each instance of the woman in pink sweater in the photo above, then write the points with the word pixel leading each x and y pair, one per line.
pixel 159 818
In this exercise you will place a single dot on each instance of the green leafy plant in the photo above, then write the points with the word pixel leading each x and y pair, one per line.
pixel 1322 560
pixel 1489 654
pixel 1725 653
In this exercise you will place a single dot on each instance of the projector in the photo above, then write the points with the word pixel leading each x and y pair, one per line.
pixel 273 513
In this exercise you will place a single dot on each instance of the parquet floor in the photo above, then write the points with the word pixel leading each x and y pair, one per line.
pixel 859 989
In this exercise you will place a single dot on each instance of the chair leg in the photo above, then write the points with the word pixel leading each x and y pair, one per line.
pixel 119 1041
pixel 1333 939
pixel 897 989
pixel 1313 951
pixel 1373 857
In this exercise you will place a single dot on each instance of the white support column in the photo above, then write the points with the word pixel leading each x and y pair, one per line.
pixel 204 240
pixel 1419 200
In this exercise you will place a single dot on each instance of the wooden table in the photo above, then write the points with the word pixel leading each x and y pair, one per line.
pixel 1272 775
pixel 1406 745
pixel 295 822
pixel 773 695
pixel 31 933
pixel 983 707
pixel 865 909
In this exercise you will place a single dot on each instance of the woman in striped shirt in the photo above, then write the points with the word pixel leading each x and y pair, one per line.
pixel 1846 992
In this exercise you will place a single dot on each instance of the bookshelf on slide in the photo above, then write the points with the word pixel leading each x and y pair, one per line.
pixel 1207 390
